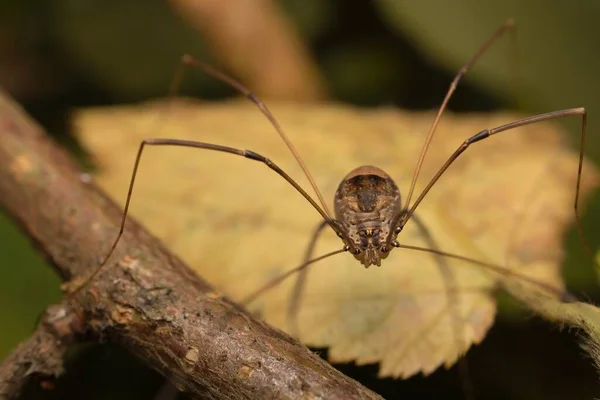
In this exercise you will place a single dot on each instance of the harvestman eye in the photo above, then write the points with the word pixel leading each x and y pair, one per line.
pixel 367 194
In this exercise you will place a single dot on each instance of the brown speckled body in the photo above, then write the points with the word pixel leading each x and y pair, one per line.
pixel 366 203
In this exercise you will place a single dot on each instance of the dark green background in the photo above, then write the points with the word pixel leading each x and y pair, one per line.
pixel 71 53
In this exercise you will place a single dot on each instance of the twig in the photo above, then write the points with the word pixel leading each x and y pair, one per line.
pixel 146 299
pixel 42 354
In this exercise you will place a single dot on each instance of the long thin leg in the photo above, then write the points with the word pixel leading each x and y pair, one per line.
pixel 451 287
pixel 484 134
pixel 577 187
pixel 509 24
pixel 270 285
pixel 562 294
pixel 188 143
pixel 188 60
pixel 296 296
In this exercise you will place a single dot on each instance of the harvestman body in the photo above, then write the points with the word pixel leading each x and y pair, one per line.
pixel 366 203
pixel 368 212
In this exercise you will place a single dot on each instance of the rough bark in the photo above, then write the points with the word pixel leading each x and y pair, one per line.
pixel 145 298
pixel 42 354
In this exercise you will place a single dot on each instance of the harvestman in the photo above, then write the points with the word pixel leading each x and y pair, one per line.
pixel 368 212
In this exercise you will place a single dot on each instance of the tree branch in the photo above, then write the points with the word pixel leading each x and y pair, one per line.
pixel 145 298
pixel 41 354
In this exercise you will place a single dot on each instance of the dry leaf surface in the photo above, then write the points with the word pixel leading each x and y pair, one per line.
pixel 240 225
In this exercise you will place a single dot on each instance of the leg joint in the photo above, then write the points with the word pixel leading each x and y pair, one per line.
pixel 478 136
pixel 255 156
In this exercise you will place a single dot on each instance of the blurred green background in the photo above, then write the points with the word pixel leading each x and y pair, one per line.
pixel 55 56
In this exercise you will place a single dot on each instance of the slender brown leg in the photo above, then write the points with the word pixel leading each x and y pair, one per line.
pixel 270 285
pixel 188 143
pixel 498 269
pixel 508 25
pixel 189 61
pixel 296 296
pixel 486 133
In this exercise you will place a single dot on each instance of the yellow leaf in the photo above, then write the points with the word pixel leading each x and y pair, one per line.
pixel 240 225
